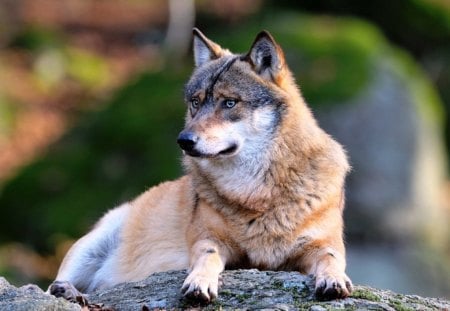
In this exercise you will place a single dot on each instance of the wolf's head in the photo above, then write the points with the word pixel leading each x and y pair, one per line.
pixel 248 132
pixel 235 102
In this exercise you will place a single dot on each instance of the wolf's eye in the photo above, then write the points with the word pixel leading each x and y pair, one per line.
pixel 195 103
pixel 229 103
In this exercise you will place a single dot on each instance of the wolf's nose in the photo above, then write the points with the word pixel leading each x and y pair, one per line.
pixel 187 140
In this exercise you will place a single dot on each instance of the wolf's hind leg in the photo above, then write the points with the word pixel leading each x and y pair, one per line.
pixel 90 262
pixel 65 290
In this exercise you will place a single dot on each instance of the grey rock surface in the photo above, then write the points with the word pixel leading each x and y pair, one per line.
pixel 395 219
pixel 30 298
pixel 241 289
pixel 397 159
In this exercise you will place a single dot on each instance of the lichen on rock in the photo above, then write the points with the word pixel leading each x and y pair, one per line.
pixel 241 289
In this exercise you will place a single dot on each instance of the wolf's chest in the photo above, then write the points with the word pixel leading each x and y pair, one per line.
pixel 267 253
pixel 268 244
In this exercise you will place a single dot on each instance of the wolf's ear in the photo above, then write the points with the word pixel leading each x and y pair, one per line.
pixel 204 49
pixel 266 56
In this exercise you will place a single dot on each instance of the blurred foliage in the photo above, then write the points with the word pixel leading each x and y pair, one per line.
pixel 87 68
pixel 55 59
pixel 331 57
pixel 424 94
pixel 110 156
pixel 7 115
pixel 420 26
pixel 35 38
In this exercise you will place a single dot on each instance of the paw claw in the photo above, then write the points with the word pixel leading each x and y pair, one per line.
pixel 200 288
pixel 65 290
pixel 333 287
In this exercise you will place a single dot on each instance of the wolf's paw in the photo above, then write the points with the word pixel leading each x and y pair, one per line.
pixel 200 287
pixel 65 290
pixel 333 286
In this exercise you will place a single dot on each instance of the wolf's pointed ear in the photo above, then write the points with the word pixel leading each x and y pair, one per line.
pixel 204 49
pixel 266 56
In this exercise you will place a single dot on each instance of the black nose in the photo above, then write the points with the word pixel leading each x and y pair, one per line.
pixel 187 140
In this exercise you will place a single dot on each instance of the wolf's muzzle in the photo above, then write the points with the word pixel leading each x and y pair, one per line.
pixel 187 141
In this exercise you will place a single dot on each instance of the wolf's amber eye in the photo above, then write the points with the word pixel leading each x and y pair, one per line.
pixel 195 103
pixel 229 103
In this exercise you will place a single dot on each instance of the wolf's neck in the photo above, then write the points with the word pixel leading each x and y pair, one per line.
pixel 240 181
pixel 260 180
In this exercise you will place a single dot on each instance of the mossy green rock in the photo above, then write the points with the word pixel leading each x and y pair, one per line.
pixel 240 290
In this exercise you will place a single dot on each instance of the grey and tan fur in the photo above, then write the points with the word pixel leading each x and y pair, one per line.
pixel 264 188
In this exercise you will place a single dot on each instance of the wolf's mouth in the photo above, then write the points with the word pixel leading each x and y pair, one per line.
pixel 193 153
pixel 229 150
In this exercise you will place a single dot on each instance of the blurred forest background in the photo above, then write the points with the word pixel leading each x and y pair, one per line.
pixel 91 105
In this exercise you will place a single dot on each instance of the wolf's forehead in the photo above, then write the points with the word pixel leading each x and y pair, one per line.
pixel 205 77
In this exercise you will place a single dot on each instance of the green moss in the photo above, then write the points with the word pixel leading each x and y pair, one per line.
pixel 398 305
pixel 215 305
pixel 298 294
pixel 226 293
pixel 307 305
pixel 278 284
pixel 243 297
pixel 365 294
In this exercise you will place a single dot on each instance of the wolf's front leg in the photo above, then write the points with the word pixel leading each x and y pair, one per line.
pixel 207 263
pixel 327 264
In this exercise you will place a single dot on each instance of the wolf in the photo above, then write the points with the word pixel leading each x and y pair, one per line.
pixel 264 188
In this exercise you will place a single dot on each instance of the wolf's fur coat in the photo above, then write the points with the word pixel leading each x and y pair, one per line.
pixel 264 188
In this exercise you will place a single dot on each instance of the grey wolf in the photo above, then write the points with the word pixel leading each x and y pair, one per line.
pixel 264 188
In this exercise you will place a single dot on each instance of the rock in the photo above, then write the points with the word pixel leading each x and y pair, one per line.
pixel 395 148
pixel 395 216
pixel 30 297
pixel 241 289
